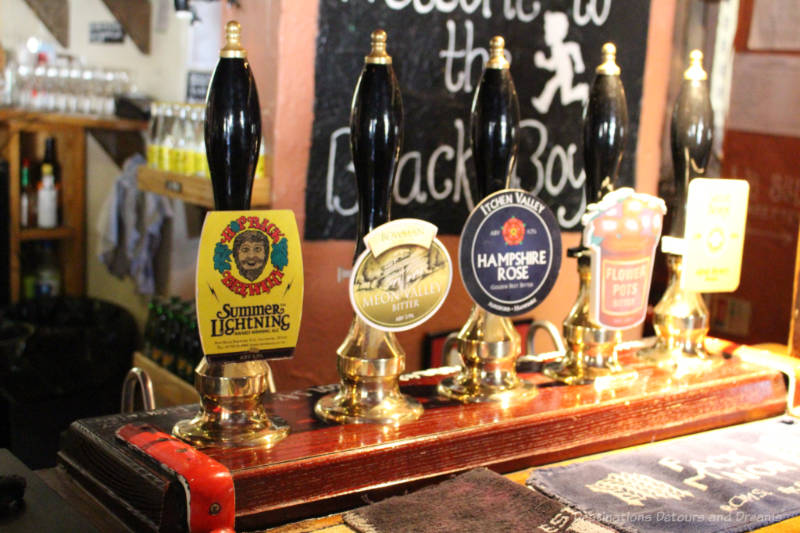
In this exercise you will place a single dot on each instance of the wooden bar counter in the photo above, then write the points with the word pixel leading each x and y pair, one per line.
pixel 320 468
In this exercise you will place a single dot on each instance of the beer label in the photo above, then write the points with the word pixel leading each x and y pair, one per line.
pixel 403 276
pixel 510 252
pixel 621 232
pixel 249 284
pixel 715 226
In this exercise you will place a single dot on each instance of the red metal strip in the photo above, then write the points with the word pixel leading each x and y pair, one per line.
pixel 210 497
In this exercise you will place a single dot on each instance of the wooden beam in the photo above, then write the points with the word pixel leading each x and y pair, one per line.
pixel 55 15
pixel 135 20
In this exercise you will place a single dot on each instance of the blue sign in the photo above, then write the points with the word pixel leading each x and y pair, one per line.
pixel 510 252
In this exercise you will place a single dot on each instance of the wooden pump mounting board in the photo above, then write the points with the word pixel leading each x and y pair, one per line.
pixel 322 468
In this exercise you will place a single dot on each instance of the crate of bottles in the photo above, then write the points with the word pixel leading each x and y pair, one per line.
pixel 171 338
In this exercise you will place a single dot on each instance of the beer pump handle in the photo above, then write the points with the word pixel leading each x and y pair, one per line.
pixel 605 128
pixel 376 134
pixel 494 123
pixel 232 125
pixel 690 135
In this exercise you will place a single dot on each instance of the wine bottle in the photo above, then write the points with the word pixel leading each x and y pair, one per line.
pixel 233 125
pixel 494 123
pixel 376 134
pixel 51 159
pixel 605 127
pixel 690 135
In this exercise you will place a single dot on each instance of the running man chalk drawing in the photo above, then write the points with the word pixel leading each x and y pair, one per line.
pixel 563 56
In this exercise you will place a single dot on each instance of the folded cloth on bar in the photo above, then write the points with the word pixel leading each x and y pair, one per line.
pixel 728 480
pixel 479 500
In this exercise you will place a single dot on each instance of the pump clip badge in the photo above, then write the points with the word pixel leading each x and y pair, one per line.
pixel 403 276
pixel 249 284
pixel 510 252
pixel 621 232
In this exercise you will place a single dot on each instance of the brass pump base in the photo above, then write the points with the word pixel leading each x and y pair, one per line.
pixel 591 353
pixel 681 322
pixel 489 346
pixel 369 362
pixel 232 411
pixel 590 356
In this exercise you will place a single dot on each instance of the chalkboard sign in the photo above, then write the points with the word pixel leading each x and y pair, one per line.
pixel 438 49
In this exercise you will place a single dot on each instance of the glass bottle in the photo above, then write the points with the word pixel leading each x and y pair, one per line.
pixel 157 333
pixel 39 79
pixel 165 139
pixel 261 164
pixel 177 157
pixel 150 326
pixel 48 275
pixel 11 87
pixel 187 153
pixel 51 159
pixel 30 259
pixel 152 134
pixel 27 194
pixel 47 199
pixel 199 148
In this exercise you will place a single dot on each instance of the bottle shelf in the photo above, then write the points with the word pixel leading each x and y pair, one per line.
pixel 195 189
pixel 26 120
pixel 23 135
pixel 46 234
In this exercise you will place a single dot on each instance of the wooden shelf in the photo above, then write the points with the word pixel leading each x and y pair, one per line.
pixel 194 189
pixel 23 119
pixel 41 234
pixel 22 135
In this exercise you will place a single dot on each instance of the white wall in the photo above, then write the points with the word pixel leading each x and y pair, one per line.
pixel 162 73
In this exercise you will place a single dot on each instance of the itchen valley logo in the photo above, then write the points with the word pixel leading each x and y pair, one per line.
pixel 260 252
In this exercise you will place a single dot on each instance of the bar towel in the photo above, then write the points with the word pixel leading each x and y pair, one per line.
pixel 479 500
pixel 729 480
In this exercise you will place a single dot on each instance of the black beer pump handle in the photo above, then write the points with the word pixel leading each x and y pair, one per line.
pixel 691 135
pixel 494 123
pixel 376 134
pixel 605 128
pixel 232 125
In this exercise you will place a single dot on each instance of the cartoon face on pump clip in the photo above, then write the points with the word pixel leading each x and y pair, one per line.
pixel 250 252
